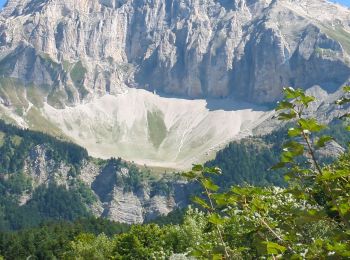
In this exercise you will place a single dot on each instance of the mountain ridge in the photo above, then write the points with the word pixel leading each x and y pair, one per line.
pixel 183 39
pixel 61 62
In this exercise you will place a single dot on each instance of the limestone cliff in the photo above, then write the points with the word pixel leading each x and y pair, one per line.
pixel 213 48
pixel 70 68
pixel 116 197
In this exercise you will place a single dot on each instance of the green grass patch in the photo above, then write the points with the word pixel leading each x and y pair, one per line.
pixel 16 140
pixel 338 33
pixel 157 130
pixel 49 62
pixel 66 65
pixel 77 75
pixel 13 91
pixel 38 122
pixel 7 64
pixel 6 118
pixel 35 96
pixel 78 72
pixel 56 98
pixel 2 138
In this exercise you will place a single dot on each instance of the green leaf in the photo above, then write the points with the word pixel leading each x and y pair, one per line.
pixel 293 148
pixel 323 140
pixel 328 175
pixel 310 124
pixel 343 101
pixel 216 219
pixel 278 166
pixel 190 175
pixel 292 132
pixel 274 248
pixel 305 100
pixel 344 208
pixel 289 175
pixel 284 105
pixel 213 170
pixel 291 93
pixel 201 202
pixel 197 168
pixel 224 199
pixel 197 253
pixel 346 89
pixel 208 184
pixel 287 116
pixel 217 257
pixel 287 157
pixel 347 115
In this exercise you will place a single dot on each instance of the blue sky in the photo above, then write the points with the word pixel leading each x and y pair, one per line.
pixel 344 2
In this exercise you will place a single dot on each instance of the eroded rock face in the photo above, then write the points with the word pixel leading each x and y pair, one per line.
pixel 42 168
pixel 246 48
pixel 125 202
pixel 116 199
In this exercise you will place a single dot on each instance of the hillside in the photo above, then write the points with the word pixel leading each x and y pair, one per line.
pixel 44 178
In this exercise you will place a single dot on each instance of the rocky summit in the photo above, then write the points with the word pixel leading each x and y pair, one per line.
pixel 72 68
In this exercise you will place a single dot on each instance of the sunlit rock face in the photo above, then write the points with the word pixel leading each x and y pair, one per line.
pixel 105 183
pixel 163 82
pixel 213 48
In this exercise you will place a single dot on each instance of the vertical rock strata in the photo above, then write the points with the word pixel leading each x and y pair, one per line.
pixel 210 48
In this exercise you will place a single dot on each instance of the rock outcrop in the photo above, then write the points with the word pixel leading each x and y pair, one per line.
pixel 117 198
pixel 67 68
pixel 249 49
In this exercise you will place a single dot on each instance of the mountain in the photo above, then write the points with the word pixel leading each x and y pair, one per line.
pixel 163 82
pixel 43 178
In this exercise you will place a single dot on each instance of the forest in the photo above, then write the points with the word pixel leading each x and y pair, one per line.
pixel 49 201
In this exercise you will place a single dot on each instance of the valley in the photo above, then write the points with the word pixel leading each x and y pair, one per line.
pixel 174 129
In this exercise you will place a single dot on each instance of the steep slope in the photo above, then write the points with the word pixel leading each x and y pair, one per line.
pixel 67 67
pixel 44 178
pixel 213 48
pixel 136 125
pixel 153 130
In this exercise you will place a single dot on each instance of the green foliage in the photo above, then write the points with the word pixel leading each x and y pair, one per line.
pixel 52 239
pixel 46 202
pixel 307 219
pixel 249 161
pixel 284 223
pixel 87 246
pixel 156 127
pixel 113 174
pixel 56 202
pixel 18 142
pixel 345 100
pixel 17 184
pixel 86 194
pixel 175 217
pixel 77 75
pixel 145 241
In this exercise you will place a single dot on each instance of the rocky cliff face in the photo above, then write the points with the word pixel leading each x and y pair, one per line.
pixel 249 49
pixel 116 197
pixel 70 68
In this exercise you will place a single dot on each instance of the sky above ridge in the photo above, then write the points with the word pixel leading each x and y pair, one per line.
pixel 344 2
